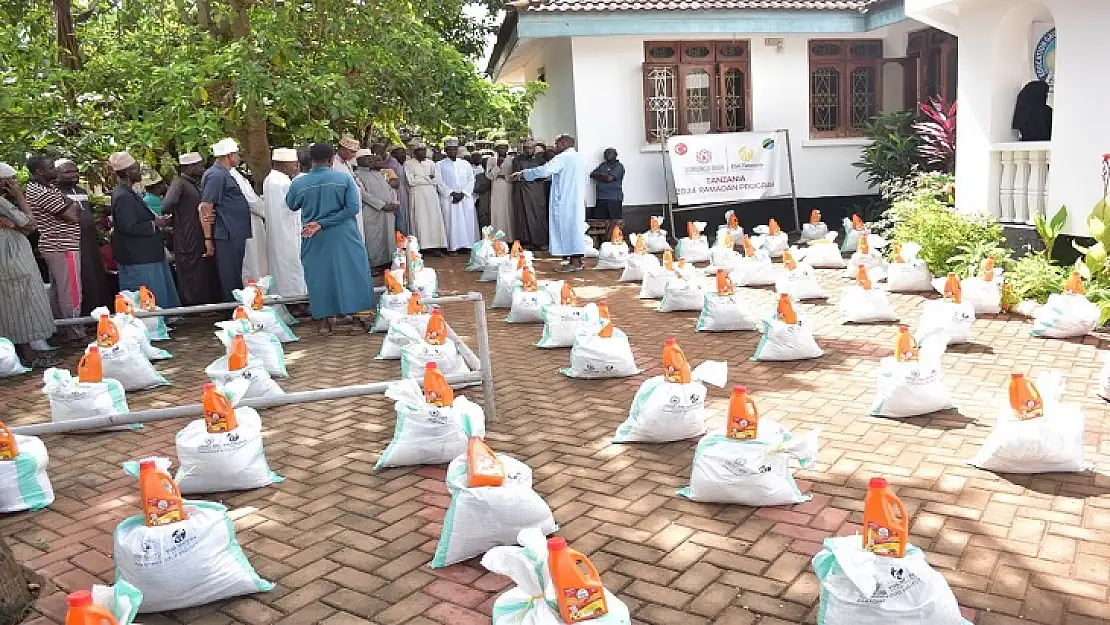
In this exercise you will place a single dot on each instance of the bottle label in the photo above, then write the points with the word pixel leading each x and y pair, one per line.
pixel 883 541
pixel 161 512
pixel 215 422
pixel 7 452
pixel 1032 409
pixel 485 465
pixel 742 429
pixel 584 603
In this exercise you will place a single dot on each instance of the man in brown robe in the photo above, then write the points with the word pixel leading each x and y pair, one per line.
pixel 530 199
pixel 197 280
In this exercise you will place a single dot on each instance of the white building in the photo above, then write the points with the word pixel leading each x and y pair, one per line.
pixel 1003 45
pixel 623 73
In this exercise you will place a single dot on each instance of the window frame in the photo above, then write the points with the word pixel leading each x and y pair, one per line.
pixel 844 63
pixel 715 64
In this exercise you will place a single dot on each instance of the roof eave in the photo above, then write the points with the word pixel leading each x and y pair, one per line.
pixel 503 47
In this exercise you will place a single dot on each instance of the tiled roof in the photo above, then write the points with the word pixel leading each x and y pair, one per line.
pixel 559 6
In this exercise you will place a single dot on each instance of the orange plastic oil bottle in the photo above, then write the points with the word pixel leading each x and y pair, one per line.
pixel 743 415
pixel 654 224
pixel 237 359
pixel 603 309
pixel 436 333
pixel 815 216
pixel 905 348
pixel 436 389
pixel 857 223
pixel 483 467
pixel 146 299
pixel 1074 285
pixel 863 247
pixel 773 228
pixel 567 296
pixel 123 305
pixel 952 288
pixel 616 236
pixel 676 368
pixel 733 222
pixel 726 240
pixel 517 250
pixel 240 314
pixel 414 307
pixel 80 610
pixel 107 334
pixel 259 299
pixel 862 279
pixel 692 230
pixel 398 239
pixel 788 260
pixel 219 415
pixel 885 523
pixel 785 310
pixel 898 253
pixel 668 260
pixel 8 448
pixel 1025 399
pixel 89 368
pixel 528 280
pixel 987 272
pixel 499 248
pixel 161 499
pixel 579 592
pixel 749 249
pixel 725 287
pixel 392 285
pixel 606 331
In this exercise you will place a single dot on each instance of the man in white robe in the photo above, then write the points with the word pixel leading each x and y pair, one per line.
pixel 283 226
pixel 499 168
pixel 343 161
pixel 379 208
pixel 427 217
pixel 567 209
pixel 455 178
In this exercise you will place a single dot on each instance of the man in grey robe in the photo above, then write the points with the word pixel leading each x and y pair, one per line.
pixel 379 205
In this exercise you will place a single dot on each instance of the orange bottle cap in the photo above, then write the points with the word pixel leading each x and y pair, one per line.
pixel 877 482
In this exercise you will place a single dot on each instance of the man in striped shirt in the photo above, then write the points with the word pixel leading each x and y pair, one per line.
pixel 58 222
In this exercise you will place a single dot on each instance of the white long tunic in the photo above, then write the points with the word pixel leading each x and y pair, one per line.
pixel 283 237
pixel 460 217
pixel 255 265
pixel 566 215
pixel 424 206
pixel 501 192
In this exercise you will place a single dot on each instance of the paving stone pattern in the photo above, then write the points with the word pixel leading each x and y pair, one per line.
pixel 347 545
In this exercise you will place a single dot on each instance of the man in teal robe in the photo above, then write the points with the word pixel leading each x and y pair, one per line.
pixel 333 254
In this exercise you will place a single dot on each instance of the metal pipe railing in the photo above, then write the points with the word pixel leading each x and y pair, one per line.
pixel 482 373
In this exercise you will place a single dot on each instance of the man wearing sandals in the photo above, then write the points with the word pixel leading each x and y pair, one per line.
pixel 336 268
pixel 567 213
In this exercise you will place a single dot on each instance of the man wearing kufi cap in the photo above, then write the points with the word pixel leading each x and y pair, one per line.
pixel 379 205
pixel 344 161
pixel 283 226
pixel 153 188
pixel 57 220
pixel 395 161
pixel 95 291
pixel 530 199
pixel 567 207
pixel 427 218
pixel 455 178
pixel 198 282
pixel 498 168
pixel 138 239
pixel 226 217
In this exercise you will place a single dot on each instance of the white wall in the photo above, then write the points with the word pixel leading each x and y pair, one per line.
pixel 609 104
pixel 553 113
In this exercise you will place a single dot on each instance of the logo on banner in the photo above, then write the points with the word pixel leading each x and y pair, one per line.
pixel 704 156
pixel 680 149
pixel 768 144
pixel 747 154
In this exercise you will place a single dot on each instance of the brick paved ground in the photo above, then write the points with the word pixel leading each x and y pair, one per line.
pixel 346 545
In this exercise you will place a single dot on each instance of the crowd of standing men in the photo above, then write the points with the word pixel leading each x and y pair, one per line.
pixel 325 219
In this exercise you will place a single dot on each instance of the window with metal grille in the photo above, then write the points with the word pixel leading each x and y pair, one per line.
pixel 845 86
pixel 696 87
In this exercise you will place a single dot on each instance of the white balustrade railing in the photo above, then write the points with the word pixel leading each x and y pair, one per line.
pixel 1020 187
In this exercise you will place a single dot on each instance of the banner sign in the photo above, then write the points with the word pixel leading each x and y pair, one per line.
pixel 731 167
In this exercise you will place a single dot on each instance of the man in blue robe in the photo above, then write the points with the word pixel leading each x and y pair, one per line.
pixel 333 254
pixel 567 207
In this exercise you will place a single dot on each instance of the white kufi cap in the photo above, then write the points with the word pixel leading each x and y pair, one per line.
pixel 120 161
pixel 189 158
pixel 223 147
pixel 284 155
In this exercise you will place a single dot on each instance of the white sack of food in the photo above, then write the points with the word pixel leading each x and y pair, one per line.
pixel 258 380
pixel 403 331
pixel 484 249
pixel 612 255
pixel 24 484
pixel 214 462
pixel 913 388
pixel 262 344
pixel 561 324
pixel 185 564
pixel 72 399
pixel 694 250
pixel 725 313
pixel 1049 444
pixel 774 244
pixel 823 253
pixel 985 296
pixel 493 268
pixel 851 236
pixel 126 363
pixel 133 329
pixel 396 303
pixel 507 283
pixel 783 341
pixel 269 318
pixel 814 231
pixel 683 294
pixel 860 305
pixel 10 364
pixel 594 356
pixel 121 599
pixel 753 472
pixel 948 318
pixel 910 274
pixel 416 356
pixel 528 305
pixel 665 411
pixel 485 517
pixel 155 326
pixel 859 587
pixel 757 270
pixel 800 283
pixel 637 266
pixel 656 240
pixel 1066 316
pixel 425 433
pixel 872 261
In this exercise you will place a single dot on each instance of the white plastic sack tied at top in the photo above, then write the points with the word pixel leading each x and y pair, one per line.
pixel 907 273
pixel 187 563
pixel 755 268
pixel 10 364
pixel 500 264
pixel 403 331
pixel 665 411
pixel 133 329
pixel 853 229
pixel 868 255
pixel 799 280
pixel 1051 443
pixel 682 293
pixel 823 253
pixel 614 253
pixel 732 227
pixel 532 600
pixel 528 304
pixel 121 599
pixel 597 356
pixel 1068 314
pixel 421 279
pixel 484 249
pixel 655 280
pixel 426 433
pixel 24 484
pixel 484 517
pixel 125 362
pixel 656 236
pixel 639 263
pixel 786 337
pixel 725 312
pixel 912 384
pixel 814 229
pixel 774 242
pixel 254 375
pixel 723 254
pixel 416 355
pixel 694 247
pixel 864 302
pixel 983 291
pixel 155 326
pixel 508 279
pixel 951 316
pixel 72 399
pixel 261 344
pixel 391 304
pixel 562 323
pixel 272 319
pixel 754 472
pixel 859 587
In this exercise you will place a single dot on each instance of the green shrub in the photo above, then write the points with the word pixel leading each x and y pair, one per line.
pixel 1033 277
pixel 893 152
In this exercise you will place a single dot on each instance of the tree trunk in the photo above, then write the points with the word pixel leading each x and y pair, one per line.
pixel 204 15
pixel 15 593
pixel 69 53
